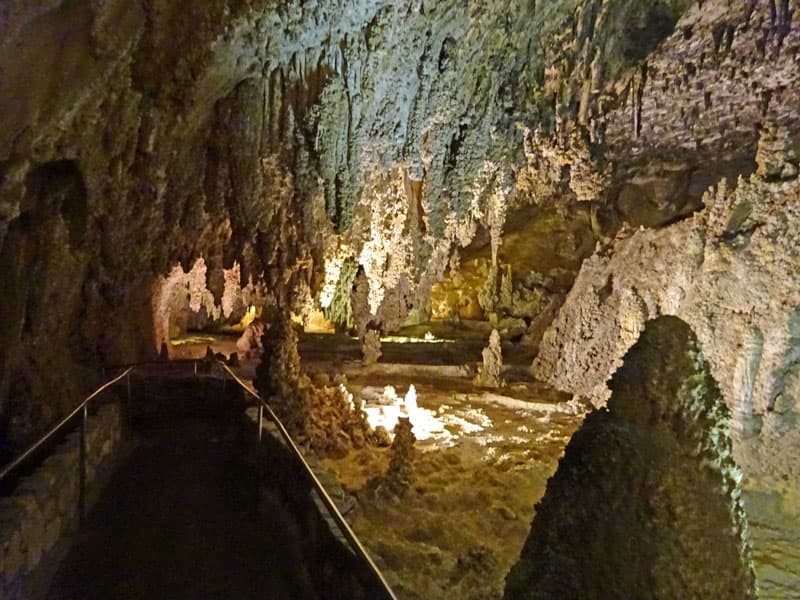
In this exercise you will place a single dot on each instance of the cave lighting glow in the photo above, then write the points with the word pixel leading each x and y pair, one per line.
pixel 439 428
pixel 428 338
pixel 248 317
pixel 425 424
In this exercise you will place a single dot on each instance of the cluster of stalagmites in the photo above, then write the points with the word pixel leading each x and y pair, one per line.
pixel 321 416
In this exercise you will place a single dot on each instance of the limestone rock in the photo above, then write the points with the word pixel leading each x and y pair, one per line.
pixel 371 347
pixel 490 373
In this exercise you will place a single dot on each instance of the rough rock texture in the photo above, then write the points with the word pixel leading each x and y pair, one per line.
pixel 490 374
pixel 44 506
pixel 371 347
pixel 344 152
pixel 541 254
pixel 321 417
pixel 731 273
pixel 392 485
pixel 646 500
pixel 730 67
pixel 307 138
pixel 693 110
pixel 135 136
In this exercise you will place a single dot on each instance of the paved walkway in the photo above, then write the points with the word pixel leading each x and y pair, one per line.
pixel 178 520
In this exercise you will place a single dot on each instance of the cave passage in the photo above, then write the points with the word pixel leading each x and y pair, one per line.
pixel 645 502
pixel 180 518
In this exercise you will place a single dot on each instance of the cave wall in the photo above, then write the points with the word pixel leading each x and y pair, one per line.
pixel 730 272
pixel 360 143
pixel 715 104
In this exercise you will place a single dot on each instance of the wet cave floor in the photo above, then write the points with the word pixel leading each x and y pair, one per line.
pixel 482 460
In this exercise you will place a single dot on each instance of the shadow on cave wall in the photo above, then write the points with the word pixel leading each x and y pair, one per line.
pixel 645 502
pixel 36 256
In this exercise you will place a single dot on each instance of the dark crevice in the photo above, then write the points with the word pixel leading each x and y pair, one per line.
pixel 58 187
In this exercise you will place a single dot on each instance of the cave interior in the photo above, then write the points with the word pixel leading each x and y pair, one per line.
pixel 521 279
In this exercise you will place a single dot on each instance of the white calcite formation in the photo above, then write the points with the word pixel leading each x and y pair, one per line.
pixel 379 137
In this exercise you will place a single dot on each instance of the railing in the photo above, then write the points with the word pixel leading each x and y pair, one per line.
pixel 330 505
pixel 82 408
pixel 263 407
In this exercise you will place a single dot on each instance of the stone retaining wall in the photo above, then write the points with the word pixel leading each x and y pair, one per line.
pixel 289 496
pixel 44 505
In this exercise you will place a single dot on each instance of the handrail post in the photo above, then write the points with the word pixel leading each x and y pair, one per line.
pixel 82 464
pixel 129 387
pixel 195 369
pixel 260 421
pixel 324 496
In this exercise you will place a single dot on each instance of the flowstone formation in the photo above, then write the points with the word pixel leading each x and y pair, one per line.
pixel 646 502
pixel 730 271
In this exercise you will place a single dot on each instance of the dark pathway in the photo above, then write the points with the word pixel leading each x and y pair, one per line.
pixel 179 520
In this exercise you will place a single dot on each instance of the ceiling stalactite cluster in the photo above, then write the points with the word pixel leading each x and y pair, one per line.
pixel 562 172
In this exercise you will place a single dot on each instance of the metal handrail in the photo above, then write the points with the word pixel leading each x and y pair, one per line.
pixel 263 406
pixel 343 525
pixel 58 426
pixel 82 408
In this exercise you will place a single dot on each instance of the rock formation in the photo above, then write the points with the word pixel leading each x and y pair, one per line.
pixel 371 346
pixel 392 485
pixel 490 374
pixel 646 501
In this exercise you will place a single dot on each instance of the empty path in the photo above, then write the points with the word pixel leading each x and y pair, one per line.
pixel 179 520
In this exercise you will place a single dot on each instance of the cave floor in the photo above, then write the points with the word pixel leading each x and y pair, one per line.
pixel 483 460
pixel 451 345
pixel 179 520
pixel 476 477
